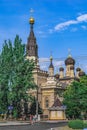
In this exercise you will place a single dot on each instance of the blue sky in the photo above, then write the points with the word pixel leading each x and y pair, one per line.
pixel 59 25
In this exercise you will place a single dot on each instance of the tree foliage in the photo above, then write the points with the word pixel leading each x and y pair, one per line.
pixel 15 75
pixel 33 108
pixel 75 98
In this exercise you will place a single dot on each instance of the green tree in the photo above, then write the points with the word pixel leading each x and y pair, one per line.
pixel 15 75
pixel 33 108
pixel 75 98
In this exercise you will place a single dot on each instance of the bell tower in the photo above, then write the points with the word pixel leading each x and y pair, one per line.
pixel 32 47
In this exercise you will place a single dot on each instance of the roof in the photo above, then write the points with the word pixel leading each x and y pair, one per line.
pixel 51 65
pixel 61 69
pixel 78 69
pixel 57 103
pixel 81 73
pixel 69 61
pixel 68 78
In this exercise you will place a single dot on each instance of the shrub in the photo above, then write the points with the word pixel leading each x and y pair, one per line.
pixel 76 124
pixel 15 113
pixel 85 125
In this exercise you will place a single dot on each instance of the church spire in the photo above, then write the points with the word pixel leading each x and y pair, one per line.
pixel 51 63
pixel 32 47
pixel 51 67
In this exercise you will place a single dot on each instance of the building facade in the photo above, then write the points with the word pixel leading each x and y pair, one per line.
pixel 50 85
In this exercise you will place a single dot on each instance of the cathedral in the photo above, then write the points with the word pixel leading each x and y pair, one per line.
pixel 50 85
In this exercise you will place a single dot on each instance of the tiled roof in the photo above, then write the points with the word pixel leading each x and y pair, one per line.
pixel 57 103
pixel 57 106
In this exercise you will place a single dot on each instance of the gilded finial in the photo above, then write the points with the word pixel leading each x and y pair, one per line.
pixel 31 20
pixel 51 58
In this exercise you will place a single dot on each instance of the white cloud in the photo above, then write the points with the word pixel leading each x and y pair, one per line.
pixel 45 62
pixel 44 59
pixel 64 25
pixel 43 67
pixel 82 18
pixel 58 63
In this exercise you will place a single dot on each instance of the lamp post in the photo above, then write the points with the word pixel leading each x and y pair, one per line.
pixel 37 103
pixel 10 88
pixel 10 107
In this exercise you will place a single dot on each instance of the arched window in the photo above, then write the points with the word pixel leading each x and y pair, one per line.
pixel 46 102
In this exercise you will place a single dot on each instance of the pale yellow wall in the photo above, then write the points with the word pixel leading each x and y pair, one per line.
pixel 61 74
pixel 39 78
pixel 72 73
pixel 50 94
pixel 57 115
pixel 69 72
pixel 51 71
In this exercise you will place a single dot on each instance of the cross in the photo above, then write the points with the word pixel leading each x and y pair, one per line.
pixel 51 53
pixel 69 52
pixel 31 12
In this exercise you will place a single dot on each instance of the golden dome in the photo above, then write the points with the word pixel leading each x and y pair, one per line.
pixel 31 20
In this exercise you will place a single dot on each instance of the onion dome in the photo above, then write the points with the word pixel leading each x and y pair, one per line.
pixel 61 69
pixel 72 67
pixel 51 64
pixel 69 61
pixel 78 69
pixel 31 20
pixel 57 76
pixel 81 73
